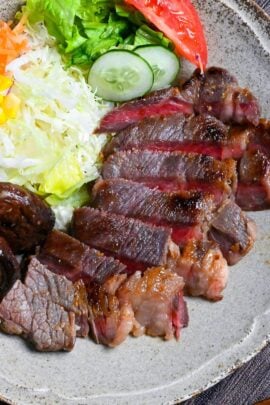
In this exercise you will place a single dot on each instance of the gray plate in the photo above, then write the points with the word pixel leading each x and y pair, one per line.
pixel 220 336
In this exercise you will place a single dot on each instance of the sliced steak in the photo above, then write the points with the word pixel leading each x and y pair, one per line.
pixel 203 269
pixel 159 103
pixel 217 93
pixel 41 310
pixel 9 268
pixel 25 219
pixel 185 212
pixel 260 138
pixel 71 258
pixel 150 303
pixel 203 134
pixel 173 171
pixel 253 191
pixel 135 243
pixel 233 231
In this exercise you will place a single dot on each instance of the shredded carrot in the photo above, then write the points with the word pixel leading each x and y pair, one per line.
pixel 13 42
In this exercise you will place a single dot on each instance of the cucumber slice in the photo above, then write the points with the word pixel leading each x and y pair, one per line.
pixel 163 62
pixel 120 75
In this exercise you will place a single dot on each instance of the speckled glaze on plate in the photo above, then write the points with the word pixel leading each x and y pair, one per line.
pixel 221 336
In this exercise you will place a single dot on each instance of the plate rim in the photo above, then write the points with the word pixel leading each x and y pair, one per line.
pixel 262 17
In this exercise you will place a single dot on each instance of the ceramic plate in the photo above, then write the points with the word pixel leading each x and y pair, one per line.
pixel 220 336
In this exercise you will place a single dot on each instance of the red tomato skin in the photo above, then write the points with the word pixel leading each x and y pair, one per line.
pixel 180 22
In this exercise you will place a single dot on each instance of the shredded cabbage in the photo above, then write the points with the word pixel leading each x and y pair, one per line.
pixel 50 147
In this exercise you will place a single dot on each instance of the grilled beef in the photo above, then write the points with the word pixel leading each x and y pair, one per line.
pixel 9 268
pixel 217 92
pixel 200 134
pixel 253 191
pixel 135 243
pixel 159 103
pixel 260 137
pixel 233 231
pixel 67 256
pixel 25 219
pixel 185 212
pixel 203 269
pixel 41 310
pixel 150 303
pixel 173 171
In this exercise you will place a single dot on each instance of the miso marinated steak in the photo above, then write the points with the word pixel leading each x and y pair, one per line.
pixel 173 171
pixel 9 268
pixel 135 243
pixel 150 303
pixel 203 269
pixel 41 309
pixel 253 191
pixel 233 231
pixel 67 256
pixel 25 219
pixel 159 103
pixel 187 213
pixel 217 93
pixel 200 134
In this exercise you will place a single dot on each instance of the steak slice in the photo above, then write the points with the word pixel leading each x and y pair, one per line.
pixel 173 171
pixel 203 134
pixel 41 310
pixel 253 191
pixel 135 243
pixel 71 258
pixel 159 103
pixel 203 269
pixel 25 219
pixel 9 268
pixel 185 212
pixel 260 137
pixel 217 93
pixel 150 303
pixel 233 231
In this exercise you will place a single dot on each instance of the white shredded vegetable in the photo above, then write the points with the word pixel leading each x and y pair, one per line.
pixel 50 147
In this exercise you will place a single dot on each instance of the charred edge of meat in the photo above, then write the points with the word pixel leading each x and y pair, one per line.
pixel 132 241
pixel 253 192
pixel 233 231
pixel 217 93
pixel 65 255
pixel 25 219
pixel 136 200
pixel 9 268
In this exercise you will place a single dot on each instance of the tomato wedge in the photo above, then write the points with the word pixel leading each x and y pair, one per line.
pixel 180 22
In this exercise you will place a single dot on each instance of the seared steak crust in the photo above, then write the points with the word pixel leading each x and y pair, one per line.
pixel 124 238
pixel 71 258
pixel 202 134
pixel 25 219
pixel 217 93
pixel 233 231
pixel 182 170
pixel 135 200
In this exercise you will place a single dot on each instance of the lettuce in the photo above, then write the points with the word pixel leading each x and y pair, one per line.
pixel 85 29
pixel 50 147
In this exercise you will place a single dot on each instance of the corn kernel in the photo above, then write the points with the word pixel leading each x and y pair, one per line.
pixel 3 117
pixel 5 82
pixel 1 99
pixel 11 105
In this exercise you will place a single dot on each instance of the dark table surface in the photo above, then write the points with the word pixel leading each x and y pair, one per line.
pixel 249 384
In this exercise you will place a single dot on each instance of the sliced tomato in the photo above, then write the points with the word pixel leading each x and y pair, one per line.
pixel 180 22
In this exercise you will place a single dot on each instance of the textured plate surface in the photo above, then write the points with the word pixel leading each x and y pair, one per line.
pixel 220 336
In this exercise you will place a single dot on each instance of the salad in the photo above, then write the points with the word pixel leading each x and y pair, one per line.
pixel 63 66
